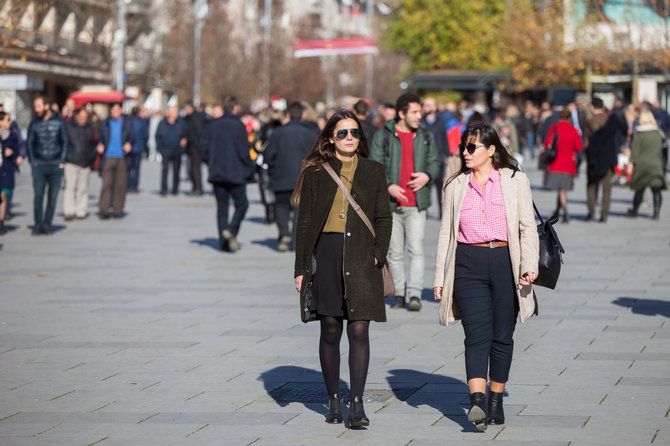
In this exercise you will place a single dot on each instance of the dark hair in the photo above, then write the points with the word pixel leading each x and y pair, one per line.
pixel 475 118
pixel 361 107
pixel 323 150
pixel 2 115
pixel 189 103
pixel 79 110
pixel 488 136
pixel 295 110
pixel 402 104
pixel 564 114
pixel 597 103
pixel 229 103
pixel 44 99
pixel 113 104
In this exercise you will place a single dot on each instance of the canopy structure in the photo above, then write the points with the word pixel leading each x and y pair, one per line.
pixel 335 47
pixel 106 97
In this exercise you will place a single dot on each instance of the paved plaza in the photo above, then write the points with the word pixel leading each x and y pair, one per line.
pixel 139 331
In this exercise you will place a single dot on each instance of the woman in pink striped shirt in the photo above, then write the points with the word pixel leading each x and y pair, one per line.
pixel 487 260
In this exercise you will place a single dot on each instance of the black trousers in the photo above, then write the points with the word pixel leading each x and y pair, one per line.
pixel 485 294
pixel 171 156
pixel 223 192
pixel 285 213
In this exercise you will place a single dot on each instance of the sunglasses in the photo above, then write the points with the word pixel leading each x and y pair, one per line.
pixel 469 147
pixel 342 134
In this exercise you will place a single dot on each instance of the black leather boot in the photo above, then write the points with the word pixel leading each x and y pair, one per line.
pixel 477 412
pixel 334 414
pixel 496 412
pixel 658 200
pixel 637 201
pixel 356 416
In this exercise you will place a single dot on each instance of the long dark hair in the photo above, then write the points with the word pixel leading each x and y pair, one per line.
pixel 488 136
pixel 323 151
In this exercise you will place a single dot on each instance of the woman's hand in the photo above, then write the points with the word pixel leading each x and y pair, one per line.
pixel 527 278
pixel 437 293
pixel 376 261
pixel 9 152
pixel 298 283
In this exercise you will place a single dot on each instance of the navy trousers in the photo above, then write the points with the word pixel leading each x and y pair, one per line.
pixel 485 294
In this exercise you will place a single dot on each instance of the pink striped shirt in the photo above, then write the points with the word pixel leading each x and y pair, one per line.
pixel 483 212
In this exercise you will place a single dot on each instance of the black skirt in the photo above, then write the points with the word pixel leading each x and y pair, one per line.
pixel 328 282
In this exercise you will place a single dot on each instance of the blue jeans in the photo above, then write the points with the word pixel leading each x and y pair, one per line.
pixel 223 192
pixel 530 142
pixel 46 175
pixel 134 160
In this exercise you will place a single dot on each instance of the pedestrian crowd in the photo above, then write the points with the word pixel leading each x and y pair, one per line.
pixel 316 170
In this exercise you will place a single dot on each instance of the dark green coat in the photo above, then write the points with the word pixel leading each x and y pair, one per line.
pixel 648 169
pixel 363 286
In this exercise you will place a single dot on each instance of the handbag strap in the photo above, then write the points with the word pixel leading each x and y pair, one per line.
pixel 349 198
pixel 549 226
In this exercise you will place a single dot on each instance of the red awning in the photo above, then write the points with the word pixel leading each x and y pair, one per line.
pixel 85 97
pixel 335 47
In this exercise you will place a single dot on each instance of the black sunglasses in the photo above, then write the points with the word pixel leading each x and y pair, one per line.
pixel 342 134
pixel 469 147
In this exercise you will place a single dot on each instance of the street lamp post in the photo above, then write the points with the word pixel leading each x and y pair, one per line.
pixel 267 23
pixel 369 61
pixel 200 12
pixel 120 38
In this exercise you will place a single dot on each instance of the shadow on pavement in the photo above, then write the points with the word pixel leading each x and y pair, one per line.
pixel 210 242
pixel 271 243
pixel 647 307
pixel 448 395
pixel 291 384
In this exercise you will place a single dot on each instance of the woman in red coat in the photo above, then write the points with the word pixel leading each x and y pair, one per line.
pixel 562 171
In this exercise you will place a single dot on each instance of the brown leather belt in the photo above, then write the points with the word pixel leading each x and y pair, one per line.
pixel 491 244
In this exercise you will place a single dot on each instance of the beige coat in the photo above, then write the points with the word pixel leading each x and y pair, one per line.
pixel 523 241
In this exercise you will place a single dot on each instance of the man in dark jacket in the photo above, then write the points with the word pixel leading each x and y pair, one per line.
pixel 47 147
pixel 607 135
pixel 134 158
pixel 362 111
pixel 116 141
pixel 80 158
pixel 288 146
pixel 170 143
pixel 224 146
pixel 195 124
pixel 438 127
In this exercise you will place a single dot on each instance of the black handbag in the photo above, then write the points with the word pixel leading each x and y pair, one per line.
pixel 551 252
pixel 548 156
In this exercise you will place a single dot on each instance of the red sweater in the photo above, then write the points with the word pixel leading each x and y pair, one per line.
pixel 569 143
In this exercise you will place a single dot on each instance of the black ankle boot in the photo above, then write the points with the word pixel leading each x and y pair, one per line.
pixel 477 412
pixel 658 200
pixel 334 414
pixel 496 412
pixel 356 416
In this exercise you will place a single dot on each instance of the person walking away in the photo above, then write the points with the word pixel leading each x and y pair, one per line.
pixel 646 163
pixel 487 259
pixel 170 143
pixel 134 158
pixel 607 133
pixel 529 124
pixel 9 143
pixel 288 146
pixel 116 139
pixel 271 120
pixel 409 154
pixel 362 111
pixel 338 259
pixel 562 171
pixel 225 148
pixel 47 146
pixel 80 158
pixel 195 124
pixel 438 127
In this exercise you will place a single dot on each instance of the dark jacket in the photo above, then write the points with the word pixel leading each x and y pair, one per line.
pixel 224 146
pixel 162 143
pixel 604 145
pixel 439 130
pixel 47 141
pixel 8 168
pixel 141 129
pixel 288 146
pixel 127 132
pixel 195 124
pixel 82 144
pixel 363 286
pixel 387 149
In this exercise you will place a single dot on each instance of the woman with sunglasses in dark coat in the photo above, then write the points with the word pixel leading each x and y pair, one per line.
pixel 487 260
pixel 337 260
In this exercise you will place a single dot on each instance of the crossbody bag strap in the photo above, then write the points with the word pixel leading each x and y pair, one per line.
pixel 349 198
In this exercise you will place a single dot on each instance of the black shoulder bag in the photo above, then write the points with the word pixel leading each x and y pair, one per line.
pixel 550 252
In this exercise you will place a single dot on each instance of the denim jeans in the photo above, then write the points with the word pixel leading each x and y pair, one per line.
pixel 530 142
pixel 409 226
pixel 134 160
pixel 51 176
pixel 223 192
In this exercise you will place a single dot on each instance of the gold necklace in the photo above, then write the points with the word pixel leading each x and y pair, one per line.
pixel 344 197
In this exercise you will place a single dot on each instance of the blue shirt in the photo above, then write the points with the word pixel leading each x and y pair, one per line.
pixel 115 146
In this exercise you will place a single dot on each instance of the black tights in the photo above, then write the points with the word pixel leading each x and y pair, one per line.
pixel 359 353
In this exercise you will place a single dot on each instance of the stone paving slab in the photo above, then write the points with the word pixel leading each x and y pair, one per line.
pixel 139 331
